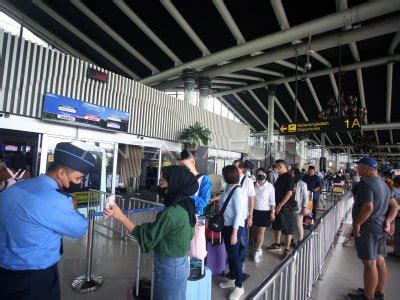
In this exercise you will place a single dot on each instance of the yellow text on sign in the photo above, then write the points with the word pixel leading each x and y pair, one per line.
pixel 355 123
pixel 292 128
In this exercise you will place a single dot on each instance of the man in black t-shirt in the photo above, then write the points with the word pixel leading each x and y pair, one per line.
pixel 285 205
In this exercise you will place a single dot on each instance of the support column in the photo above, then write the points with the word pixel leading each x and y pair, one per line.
pixel 204 91
pixel 271 117
pixel 190 78
pixel 302 154
pixel 322 161
pixel 337 163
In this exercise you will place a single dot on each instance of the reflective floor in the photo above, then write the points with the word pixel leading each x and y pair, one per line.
pixel 116 261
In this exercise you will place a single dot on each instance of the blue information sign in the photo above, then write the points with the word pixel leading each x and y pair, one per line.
pixel 79 113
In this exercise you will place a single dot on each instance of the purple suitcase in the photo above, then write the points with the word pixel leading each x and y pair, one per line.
pixel 216 257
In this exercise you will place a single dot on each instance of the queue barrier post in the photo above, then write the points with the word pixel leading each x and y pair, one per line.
pixel 88 282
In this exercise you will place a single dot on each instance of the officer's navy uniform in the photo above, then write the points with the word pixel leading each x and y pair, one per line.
pixel 34 215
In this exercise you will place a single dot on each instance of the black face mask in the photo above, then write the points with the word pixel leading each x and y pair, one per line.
pixel 260 177
pixel 161 192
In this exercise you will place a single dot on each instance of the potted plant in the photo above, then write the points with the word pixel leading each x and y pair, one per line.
pixel 195 135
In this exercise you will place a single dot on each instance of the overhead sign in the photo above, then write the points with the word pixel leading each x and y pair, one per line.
pixel 97 75
pixel 79 113
pixel 321 126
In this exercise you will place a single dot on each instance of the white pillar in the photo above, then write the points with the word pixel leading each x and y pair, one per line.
pixel 302 154
pixel 190 78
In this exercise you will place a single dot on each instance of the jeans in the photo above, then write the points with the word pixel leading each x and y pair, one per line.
pixel 170 277
pixel 235 266
pixel 244 245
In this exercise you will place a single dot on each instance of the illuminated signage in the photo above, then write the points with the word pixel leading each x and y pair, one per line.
pixel 321 126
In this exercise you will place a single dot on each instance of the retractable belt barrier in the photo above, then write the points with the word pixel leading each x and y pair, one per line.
pixel 296 275
pixel 137 210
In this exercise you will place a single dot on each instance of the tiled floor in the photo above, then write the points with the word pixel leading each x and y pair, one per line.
pixel 116 261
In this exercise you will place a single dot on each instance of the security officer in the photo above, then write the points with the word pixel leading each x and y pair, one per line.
pixel 34 215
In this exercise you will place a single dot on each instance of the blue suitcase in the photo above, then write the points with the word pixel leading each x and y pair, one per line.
pixel 200 288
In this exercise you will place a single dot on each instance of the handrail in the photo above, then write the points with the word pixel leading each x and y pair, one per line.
pixel 303 267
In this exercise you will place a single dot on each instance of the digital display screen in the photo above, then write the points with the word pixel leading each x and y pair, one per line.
pixel 11 148
pixel 79 113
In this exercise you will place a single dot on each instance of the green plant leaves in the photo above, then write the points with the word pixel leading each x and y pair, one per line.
pixel 196 134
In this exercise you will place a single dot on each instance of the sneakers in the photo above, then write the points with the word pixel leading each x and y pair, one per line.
pixel 377 295
pixel 237 292
pixel 257 255
pixel 362 297
pixel 349 243
pixel 285 253
pixel 292 244
pixel 274 247
pixel 229 283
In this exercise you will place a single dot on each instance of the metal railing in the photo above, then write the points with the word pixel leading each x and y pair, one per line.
pixel 141 210
pixel 137 210
pixel 295 276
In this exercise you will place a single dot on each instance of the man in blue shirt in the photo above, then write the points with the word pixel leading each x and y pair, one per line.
pixel 34 215
pixel 314 185
pixel 203 195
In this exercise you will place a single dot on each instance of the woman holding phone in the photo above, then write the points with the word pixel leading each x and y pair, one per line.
pixel 170 234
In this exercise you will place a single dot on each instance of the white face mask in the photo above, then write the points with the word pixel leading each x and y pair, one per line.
pixel 248 173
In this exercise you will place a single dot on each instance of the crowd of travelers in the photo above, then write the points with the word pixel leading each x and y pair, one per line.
pixel 35 214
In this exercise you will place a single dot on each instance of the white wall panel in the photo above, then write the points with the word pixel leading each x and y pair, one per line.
pixel 28 70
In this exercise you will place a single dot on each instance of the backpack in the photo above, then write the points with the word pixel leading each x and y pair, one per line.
pixel 14 177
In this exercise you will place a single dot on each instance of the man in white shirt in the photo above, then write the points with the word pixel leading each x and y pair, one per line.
pixel 248 189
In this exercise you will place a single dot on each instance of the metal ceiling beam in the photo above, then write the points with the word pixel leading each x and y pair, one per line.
pixel 265 71
pixel 120 40
pixel 189 31
pixel 222 99
pixel 367 31
pixel 262 106
pixel 84 37
pixel 314 94
pixel 292 94
pixel 242 102
pixel 242 76
pixel 289 65
pixel 377 136
pixel 40 31
pixel 216 80
pixel 146 30
pixel 389 81
pixel 282 109
pixel 350 67
pixel 229 21
pixel 394 43
pixel 327 23
pixel 382 126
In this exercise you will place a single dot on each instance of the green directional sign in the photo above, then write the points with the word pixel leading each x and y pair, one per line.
pixel 321 126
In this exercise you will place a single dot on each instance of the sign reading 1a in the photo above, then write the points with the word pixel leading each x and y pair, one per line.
pixel 352 123
pixel 321 126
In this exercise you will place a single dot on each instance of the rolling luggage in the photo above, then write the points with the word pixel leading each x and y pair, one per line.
pixel 216 257
pixel 200 288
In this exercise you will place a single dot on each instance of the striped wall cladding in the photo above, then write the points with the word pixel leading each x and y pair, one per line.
pixel 28 71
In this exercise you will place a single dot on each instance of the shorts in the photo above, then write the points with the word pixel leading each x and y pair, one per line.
pixel 285 221
pixel 262 218
pixel 370 244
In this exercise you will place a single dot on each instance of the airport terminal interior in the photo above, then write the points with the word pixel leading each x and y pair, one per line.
pixel 101 101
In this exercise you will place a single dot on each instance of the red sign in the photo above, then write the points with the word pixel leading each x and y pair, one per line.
pixel 97 75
